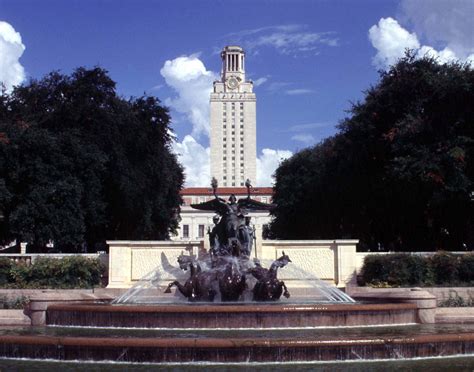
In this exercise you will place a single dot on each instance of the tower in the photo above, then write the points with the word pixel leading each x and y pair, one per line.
pixel 233 122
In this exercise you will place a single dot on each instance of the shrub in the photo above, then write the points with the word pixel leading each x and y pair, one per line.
pixel 456 301
pixel 5 269
pixel 409 270
pixel 14 303
pixel 65 273
pixel 374 270
pixel 466 268
pixel 445 268
pixel 395 270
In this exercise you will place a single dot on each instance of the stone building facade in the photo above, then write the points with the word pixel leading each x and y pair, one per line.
pixel 233 137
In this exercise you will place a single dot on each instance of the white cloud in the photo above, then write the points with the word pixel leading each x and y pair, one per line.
pixel 296 92
pixel 267 163
pixel 195 159
pixel 11 48
pixel 260 81
pixel 188 76
pixel 300 127
pixel 442 22
pixel 285 39
pixel 277 87
pixel 391 40
pixel 305 138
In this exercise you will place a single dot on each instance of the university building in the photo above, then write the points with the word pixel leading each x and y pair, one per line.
pixel 233 142
pixel 233 123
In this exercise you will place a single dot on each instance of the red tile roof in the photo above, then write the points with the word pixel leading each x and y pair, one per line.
pixel 227 191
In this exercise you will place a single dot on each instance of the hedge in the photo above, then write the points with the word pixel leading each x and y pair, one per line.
pixel 58 273
pixel 400 270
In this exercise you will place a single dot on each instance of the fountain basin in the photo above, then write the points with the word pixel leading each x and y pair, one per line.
pixel 227 350
pixel 230 316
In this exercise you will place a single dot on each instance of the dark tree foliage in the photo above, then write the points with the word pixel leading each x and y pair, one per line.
pixel 400 172
pixel 79 164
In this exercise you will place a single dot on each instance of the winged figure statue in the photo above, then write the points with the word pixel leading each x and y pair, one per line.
pixel 232 232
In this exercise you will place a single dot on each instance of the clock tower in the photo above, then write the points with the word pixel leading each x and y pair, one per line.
pixel 233 123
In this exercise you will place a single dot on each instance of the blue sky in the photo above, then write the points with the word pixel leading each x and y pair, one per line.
pixel 309 59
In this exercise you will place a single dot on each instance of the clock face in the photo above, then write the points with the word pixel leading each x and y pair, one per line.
pixel 232 83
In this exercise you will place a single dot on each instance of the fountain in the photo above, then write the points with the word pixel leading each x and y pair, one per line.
pixel 227 308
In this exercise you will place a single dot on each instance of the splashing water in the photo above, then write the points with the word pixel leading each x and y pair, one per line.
pixel 304 287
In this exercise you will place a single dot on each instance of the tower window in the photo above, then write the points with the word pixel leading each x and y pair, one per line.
pixel 233 145
pixel 224 145
pixel 242 139
pixel 241 145
pixel 224 158
pixel 241 120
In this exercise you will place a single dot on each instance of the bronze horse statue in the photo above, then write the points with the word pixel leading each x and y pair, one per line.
pixel 199 286
pixel 268 286
pixel 231 278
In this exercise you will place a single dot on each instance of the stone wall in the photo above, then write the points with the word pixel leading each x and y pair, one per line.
pixel 132 260
pixel 330 260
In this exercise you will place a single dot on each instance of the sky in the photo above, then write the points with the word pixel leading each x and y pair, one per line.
pixel 309 60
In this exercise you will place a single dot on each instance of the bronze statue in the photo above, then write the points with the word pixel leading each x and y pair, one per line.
pixel 199 286
pixel 231 229
pixel 231 241
pixel 268 286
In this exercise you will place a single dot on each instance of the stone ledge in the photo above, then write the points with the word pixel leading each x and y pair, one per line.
pixel 424 301
pixel 460 315
pixel 9 317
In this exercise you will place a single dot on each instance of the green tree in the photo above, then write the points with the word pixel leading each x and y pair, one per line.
pixel 400 170
pixel 80 164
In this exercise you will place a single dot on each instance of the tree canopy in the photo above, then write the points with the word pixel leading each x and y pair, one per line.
pixel 79 164
pixel 400 171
